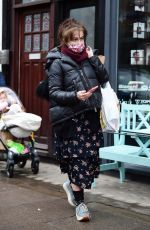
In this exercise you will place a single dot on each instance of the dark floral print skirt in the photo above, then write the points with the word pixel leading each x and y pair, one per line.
pixel 79 154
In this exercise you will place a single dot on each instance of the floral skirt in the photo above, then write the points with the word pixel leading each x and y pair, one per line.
pixel 79 155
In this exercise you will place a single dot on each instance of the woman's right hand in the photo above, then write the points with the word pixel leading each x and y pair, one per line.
pixel 83 94
pixel 89 51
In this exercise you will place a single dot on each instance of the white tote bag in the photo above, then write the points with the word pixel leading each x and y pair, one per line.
pixel 110 112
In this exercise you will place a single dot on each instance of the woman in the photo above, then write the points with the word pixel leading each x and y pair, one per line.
pixel 74 77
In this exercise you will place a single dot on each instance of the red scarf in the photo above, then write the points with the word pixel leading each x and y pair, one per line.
pixel 77 57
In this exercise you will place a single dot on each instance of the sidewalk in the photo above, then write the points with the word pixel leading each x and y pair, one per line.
pixel 132 195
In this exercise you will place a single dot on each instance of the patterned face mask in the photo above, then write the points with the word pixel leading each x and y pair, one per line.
pixel 77 48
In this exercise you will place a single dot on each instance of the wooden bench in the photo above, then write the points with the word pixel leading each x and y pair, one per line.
pixel 134 123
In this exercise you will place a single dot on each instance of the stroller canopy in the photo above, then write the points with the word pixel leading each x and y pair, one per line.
pixel 11 96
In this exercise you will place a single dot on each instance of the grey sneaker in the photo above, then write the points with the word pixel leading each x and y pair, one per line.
pixel 82 213
pixel 69 192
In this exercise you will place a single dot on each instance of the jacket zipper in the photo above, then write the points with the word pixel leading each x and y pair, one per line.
pixel 86 82
pixel 83 79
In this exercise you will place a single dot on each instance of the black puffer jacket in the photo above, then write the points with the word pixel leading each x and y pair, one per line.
pixel 65 78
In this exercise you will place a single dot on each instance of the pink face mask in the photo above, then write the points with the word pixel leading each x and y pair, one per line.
pixel 77 48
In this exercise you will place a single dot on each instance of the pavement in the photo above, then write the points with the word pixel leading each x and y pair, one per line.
pixel 133 194
pixel 39 202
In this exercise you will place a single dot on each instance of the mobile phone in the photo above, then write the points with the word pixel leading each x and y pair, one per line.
pixel 92 90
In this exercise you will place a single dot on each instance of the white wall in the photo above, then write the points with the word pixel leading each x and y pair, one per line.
pixel 1 29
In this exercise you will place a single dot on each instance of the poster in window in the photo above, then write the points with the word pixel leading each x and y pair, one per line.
pixel 148 55
pixel 139 5
pixel 137 57
pixel 138 30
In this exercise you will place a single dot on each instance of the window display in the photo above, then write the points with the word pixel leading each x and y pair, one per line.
pixel 138 30
pixel 137 57
pixel 134 49
pixel 139 5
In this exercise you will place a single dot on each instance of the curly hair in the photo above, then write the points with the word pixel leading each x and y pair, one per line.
pixel 67 28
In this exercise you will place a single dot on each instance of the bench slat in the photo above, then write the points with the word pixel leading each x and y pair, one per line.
pixel 127 155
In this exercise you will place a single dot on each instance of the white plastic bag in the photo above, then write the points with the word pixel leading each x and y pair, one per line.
pixel 109 114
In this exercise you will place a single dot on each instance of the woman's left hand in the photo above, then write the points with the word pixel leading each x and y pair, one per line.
pixel 89 51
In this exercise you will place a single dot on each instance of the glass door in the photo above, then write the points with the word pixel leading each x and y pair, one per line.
pixel 86 15
pixel 91 14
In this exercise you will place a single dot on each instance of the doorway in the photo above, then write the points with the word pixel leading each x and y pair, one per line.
pixel 92 14
pixel 35 32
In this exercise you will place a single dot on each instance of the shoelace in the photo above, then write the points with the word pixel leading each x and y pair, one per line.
pixel 84 207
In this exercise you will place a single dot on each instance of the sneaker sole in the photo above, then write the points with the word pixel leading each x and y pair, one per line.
pixel 69 197
pixel 83 219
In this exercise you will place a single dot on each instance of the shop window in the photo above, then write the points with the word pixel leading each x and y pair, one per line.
pixel 134 50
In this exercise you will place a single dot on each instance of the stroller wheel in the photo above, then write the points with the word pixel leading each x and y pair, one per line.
pixel 21 164
pixel 35 167
pixel 10 171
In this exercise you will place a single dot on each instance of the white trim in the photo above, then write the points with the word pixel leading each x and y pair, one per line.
pixel 1 18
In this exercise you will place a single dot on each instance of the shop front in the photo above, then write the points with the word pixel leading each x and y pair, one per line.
pixel 34 32
pixel 120 30
pixel 127 51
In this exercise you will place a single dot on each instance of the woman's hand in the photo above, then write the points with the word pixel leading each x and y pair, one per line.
pixel 89 51
pixel 84 95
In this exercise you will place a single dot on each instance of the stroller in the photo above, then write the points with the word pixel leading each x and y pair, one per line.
pixel 17 133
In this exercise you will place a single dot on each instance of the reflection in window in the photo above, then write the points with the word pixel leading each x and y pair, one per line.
pixel 27 43
pixel 86 15
pixel 36 23
pixel 28 23
pixel 45 21
pixel 36 42
pixel 45 41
